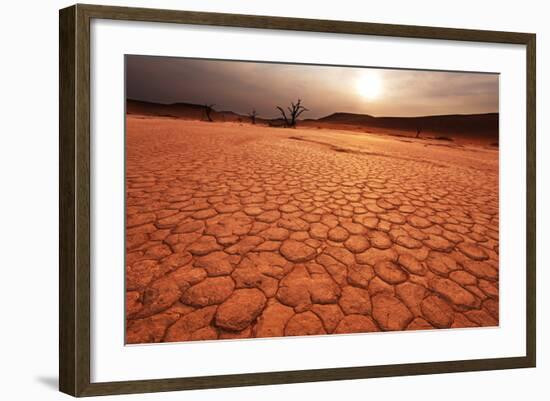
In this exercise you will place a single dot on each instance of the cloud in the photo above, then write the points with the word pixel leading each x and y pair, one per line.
pixel 241 86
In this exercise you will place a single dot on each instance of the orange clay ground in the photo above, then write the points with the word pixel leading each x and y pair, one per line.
pixel 237 231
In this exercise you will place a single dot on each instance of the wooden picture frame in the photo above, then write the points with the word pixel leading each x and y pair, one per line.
pixel 74 203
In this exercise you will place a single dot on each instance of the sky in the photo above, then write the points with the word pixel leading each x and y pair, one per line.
pixel 242 86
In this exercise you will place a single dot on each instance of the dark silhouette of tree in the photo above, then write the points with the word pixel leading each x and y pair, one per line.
pixel 418 131
pixel 294 112
pixel 252 116
pixel 208 108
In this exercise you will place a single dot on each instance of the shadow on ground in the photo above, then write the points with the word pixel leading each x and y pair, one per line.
pixel 49 381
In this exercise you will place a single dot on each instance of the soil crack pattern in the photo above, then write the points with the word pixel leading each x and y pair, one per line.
pixel 238 231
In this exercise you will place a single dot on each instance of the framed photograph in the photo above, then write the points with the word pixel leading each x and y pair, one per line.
pixel 250 200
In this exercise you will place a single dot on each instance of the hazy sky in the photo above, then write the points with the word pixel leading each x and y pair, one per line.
pixel 241 86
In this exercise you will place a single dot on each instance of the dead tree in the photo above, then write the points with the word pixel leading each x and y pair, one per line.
pixel 208 108
pixel 253 116
pixel 294 112
pixel 418 131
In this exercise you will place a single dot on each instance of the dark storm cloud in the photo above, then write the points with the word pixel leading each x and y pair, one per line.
pixel 241 86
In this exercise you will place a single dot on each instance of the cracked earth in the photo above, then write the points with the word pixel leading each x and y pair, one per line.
pixel 241 231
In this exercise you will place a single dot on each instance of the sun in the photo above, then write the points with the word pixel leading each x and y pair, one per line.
pixel 369 85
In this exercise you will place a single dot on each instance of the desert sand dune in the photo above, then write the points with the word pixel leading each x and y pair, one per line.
pixel 468 128
pixel 476 129
pixel 243 231
pixel 188 111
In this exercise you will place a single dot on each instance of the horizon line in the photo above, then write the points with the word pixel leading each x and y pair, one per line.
pixel 316 119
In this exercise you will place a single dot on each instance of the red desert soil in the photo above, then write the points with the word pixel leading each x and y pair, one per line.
pixel 239 231
pixel 461 129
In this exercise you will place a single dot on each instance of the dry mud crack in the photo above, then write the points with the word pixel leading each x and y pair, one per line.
pixel 235 231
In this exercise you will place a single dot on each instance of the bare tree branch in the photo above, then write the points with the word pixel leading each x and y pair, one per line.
pixel 208 108
pixel 252 116
pixel 287 122
pixel 294 112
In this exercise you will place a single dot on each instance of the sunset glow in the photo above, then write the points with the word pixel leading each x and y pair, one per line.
pixel 369 85
pixel 242 86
